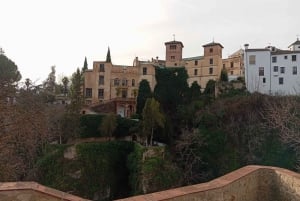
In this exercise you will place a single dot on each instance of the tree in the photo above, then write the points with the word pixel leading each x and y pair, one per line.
pixel 224 75
pixel 144 93
pixel 108 125
pixel 172 89
pixel 65 81
pixel 210 87
pixel 108 58
pixel 71 119
pixel 9 72
pixel 195 91
pixel 85 65
pixel 152 118
pixel 50 86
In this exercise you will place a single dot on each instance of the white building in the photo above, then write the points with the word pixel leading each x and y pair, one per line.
pixel 273 71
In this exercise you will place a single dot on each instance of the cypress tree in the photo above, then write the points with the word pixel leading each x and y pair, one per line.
pixel 108 58
pixel 85 65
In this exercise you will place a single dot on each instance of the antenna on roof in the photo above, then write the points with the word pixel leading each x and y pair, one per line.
pixel 174 37
pixel 213 39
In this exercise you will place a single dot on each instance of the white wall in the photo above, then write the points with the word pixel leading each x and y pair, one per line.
pixel 254 82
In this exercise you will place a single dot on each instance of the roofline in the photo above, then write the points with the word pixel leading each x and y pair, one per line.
pixel 174 42
pixel 212 44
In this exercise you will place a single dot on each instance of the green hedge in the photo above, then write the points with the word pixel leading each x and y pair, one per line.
pixel 90 123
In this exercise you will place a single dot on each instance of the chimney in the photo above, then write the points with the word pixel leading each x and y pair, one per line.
pixel 246 46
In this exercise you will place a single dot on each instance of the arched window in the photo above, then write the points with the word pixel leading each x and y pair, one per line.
pixel 116 82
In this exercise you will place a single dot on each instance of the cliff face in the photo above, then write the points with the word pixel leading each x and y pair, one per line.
pixel 106 170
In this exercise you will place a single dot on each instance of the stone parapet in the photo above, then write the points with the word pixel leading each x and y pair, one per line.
pixel 32 191
pixel 250 183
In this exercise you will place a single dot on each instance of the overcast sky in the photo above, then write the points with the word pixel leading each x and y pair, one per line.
pixel 37 34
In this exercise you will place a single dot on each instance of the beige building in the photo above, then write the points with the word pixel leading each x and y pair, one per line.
pixel 113 88
pixel 234 65
pixel 116 86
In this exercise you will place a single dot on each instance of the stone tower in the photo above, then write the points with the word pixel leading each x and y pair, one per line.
pixel 174 53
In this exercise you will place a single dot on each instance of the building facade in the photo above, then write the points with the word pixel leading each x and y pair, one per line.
pixel 234 65
pixel 117 85
pixel 273 71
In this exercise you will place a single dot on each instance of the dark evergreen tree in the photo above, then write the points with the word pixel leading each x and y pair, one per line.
pixel 108 58
pixel 143 93
pixel 210 88
pixel 9 74
pixel 224 75
pixel 171 89
pixel 85 65
pixel 195 91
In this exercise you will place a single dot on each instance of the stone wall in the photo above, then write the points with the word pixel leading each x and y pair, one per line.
pixel 32 191
pixel 250 183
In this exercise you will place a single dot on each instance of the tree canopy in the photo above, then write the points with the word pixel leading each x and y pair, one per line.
pixel 144 93
pixel 152 118
pixel 9 74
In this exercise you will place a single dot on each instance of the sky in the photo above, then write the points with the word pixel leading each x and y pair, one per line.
pixel 38 34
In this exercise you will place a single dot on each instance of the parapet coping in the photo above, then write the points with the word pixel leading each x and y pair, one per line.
pixel 15 186
pixel 211 185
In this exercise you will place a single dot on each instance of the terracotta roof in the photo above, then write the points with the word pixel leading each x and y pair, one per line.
pixel 212 44
pixel 174 42
pixel 295 43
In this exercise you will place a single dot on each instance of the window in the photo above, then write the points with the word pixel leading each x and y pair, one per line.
pixel 294 70
pixel 231 64
pixel 116 82
pixel 124 82
pixel 172 47
pixel 223 66
pixel 294 57
pixel 195 71
pixel 196 63
pixel 231 72
pixel 101 68
pixel 275 68
pixel 133 82
pixel 88 92
pixel 100 93
pixel 252 59
pixel 172 57
pixel 261 71
pixel 280 80
pixel 211 70
pixel 211 50
pixel 144 71
pixel 274 59
pixel 211 61
pixel 101 80
pixel 124 93
pixel 282 69
pixel 285 57
pixel 264 80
